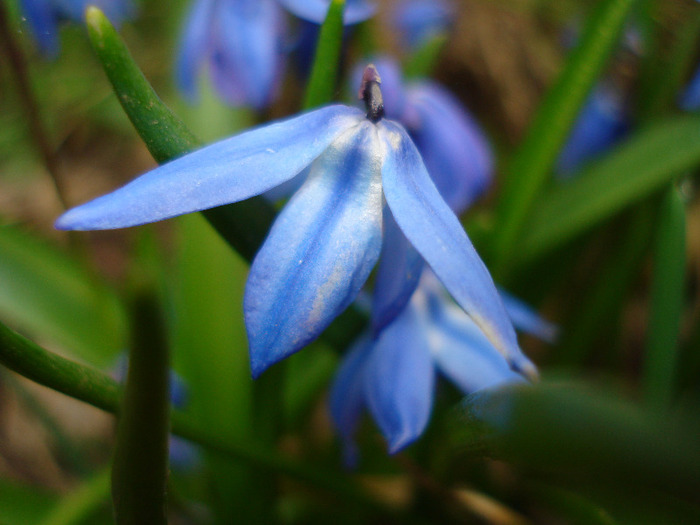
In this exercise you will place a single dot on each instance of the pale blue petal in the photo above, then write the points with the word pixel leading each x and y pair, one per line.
pixel 420 20
pixel 319 252
pixel 690 97
pixel 526 319
pixel 42 21
pixel 400 381
pixel 463 353
pixel 400 267
pixel 183 455
pixel 194 45
pixel 454 149
pixel 316 10
pixel 228 171
pixel 347 396
pixel 246 60
pixel 435 232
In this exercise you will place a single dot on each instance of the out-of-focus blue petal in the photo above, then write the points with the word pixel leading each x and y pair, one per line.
pixel 602 121
pixel 246 62
pixel 319 252
pixel 453 147
pixel 400 380
pixel 183 455
pixel 228 171
pixel 316 10
pixel 690 98
pixel 463 353
pixel 193 47
pixel 526 319
pixel 435 232
pixel 419 20
pixel 347 396
pixel 400 267
pixel 41 18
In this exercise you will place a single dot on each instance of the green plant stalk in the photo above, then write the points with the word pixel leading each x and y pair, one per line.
pixel 244 225
pixel 423 60
pixel 666 308
pixel 324 72
pixel 80 503
pixel 140 468
pixel 97 389
pixel 533 162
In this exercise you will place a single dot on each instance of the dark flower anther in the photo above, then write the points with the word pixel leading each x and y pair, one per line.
pixel 371 93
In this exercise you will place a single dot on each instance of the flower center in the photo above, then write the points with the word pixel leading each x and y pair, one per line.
pixel 371 93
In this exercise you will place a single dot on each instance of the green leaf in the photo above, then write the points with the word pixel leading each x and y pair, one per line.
pixel 651 158
pixel 666 306
pixel 140 468
pixel 324 73
pixel 244 225
pixel 51 296
pixel 81 502
pixel 533 162
pixel 23 504
pixel 423 60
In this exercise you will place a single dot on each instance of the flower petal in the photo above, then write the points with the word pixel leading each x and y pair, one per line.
pixel 400 267
pixel 228 171
pixel 347 396
pixel 526 319
pixel 400 379
pixel 246 59
pixel 194 44
pixel 316 10
pixel 454 149
pixel 319 252
pixel 435 232
pixel 42 20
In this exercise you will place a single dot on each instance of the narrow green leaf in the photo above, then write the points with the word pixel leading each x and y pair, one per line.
pixel 666 307
pixel 324 72
pixel 23 504
pixel 424 59
pixel 81 502
pixel 48 294
pixel 651 158
pixel 244 225
pixel 140 468
pixel 532 164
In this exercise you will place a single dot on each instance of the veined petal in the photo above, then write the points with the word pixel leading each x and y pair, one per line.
pixel 526 319
pixel 228 171
pixel 452 145
pixel 347 396
pixel 400 380
pixel 246 60
pixel 319 252
pixel 316 10
pixel 463 353
pixel 435 232
pixel 400 267
pixel 194 44
pixel 42 20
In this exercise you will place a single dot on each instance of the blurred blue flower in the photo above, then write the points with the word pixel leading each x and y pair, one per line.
pixel 602 122
pixel 44 17
pixel 240 42
pixel 393 374
pixel 418 21
pixel 315 10
pixel 689 99
pixel 325 242
pixel 458 158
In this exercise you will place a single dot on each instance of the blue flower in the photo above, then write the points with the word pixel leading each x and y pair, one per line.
pixel 44 17
pixel 325 242
pixel 603 121
pixel 393 374
pixel 240 42
pixel 420 20
pixel 458 158
pixel 689 99
pixel 315 10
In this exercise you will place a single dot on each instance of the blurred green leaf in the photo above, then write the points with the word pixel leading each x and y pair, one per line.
pixel 532 164
pixel 80 503
pixel 423 60
pixel 648 160
pixel 579 432
pixel 666 305
pixel 324 72
pixel 23 504
pixel 49 295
